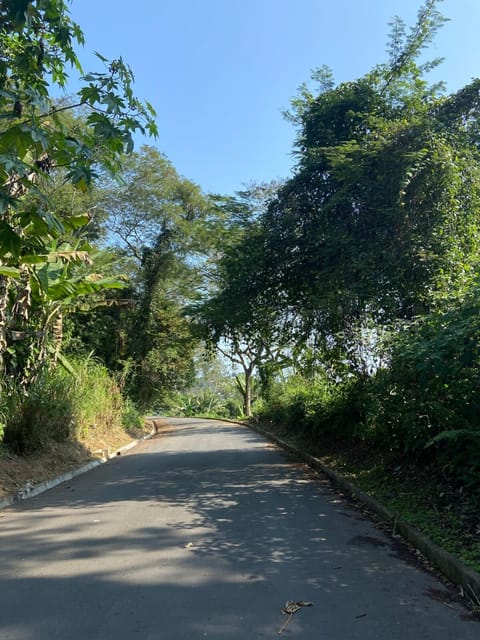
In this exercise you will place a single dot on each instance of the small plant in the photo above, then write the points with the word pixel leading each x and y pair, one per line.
pixel 132 419
pixel 202 403
pixel 96 396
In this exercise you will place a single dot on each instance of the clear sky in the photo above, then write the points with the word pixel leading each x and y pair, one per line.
pixel 219 72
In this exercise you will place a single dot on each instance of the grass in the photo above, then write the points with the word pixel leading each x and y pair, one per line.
pixel 63 422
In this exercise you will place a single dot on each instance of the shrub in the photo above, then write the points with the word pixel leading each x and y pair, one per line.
pixel 46 414
pixel 96 396
pixel 427 404
pixel 132 419
pixel 59 406
pixel 316 408
pixel 201 403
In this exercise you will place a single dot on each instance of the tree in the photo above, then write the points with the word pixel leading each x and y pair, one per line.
pixel 151 201
pixel 164 230
pixel 237 318
pixel 381 215
pixel 427 401
pixel 39 143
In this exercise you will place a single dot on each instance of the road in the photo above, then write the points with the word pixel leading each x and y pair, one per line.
pixel 206 532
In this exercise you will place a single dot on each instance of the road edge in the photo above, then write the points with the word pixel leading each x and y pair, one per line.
pixel 449 565
pixel 34 490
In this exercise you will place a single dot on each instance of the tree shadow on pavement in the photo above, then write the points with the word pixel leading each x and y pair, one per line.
pixel 178 543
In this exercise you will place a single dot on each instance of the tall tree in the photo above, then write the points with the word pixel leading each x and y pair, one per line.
pixel 237 318
pixel 164 227
pixel 37 142
pixel 381 215
pixel 153 200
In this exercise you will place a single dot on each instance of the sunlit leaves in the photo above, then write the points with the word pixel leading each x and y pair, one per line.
pixel 44 143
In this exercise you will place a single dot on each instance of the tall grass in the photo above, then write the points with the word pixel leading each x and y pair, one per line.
pixel 60 406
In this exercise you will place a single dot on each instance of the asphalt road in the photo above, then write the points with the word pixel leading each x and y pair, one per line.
pixel 206 532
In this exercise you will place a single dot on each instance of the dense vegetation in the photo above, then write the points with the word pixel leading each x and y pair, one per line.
pixel 362 270
pixel 341 304
pixel 356 289
pixel 50 151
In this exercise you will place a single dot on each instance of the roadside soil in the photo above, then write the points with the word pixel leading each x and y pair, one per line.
pixel 21 472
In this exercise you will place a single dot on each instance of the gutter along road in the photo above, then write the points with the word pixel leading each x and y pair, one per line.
pixel 205 532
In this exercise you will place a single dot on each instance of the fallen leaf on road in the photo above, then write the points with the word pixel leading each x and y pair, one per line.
pixel 291 607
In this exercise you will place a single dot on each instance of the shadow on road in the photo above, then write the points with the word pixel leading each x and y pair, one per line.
pixel 178 543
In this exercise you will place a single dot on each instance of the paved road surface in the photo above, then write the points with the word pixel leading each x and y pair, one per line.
pixel 205 533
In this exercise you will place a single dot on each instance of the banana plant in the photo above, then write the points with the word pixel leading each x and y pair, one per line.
pixel 62 282
pixel 55 288
pixel 41 138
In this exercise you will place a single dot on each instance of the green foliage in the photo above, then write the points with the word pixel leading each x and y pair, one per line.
pixel 45 262
pixel 163 349
pixel 132 418
pixel 149 202
pixel 427 403
pixel 160 225
pixel 200 403
pixel 380 219
pixel 364 265
pixel 60 406
pixel 96 396
pixel 46 415
pixel 317 409
pixel 237 319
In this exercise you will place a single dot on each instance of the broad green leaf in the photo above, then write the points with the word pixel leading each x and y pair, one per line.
pixel 10 242
pixel 10 272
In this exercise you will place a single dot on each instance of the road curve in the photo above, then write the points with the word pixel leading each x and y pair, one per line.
pixel 205 532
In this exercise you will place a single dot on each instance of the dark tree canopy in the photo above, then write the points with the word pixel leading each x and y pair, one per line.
pixel 381 215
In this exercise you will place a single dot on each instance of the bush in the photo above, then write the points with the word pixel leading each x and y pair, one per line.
pixel 201 403
pixel 60 406
pixel 132 419
pixel 427 404
pixel 46 414
pixel 97 398
pixel 317 408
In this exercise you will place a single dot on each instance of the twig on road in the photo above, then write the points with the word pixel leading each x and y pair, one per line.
pixel 290 608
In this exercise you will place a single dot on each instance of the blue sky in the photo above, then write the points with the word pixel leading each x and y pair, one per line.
pixel 219 72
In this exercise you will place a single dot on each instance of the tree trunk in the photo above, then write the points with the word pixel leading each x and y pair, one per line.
pixel 247 395
pixel 3 319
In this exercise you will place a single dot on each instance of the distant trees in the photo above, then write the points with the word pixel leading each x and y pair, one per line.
pixel 162 229
pixel 236 318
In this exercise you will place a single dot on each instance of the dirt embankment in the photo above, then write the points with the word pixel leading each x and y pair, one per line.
pixel 18 473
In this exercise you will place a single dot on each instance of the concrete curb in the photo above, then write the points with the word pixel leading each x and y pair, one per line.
pixel 445 562
pixel 450 566
pixel 35 490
